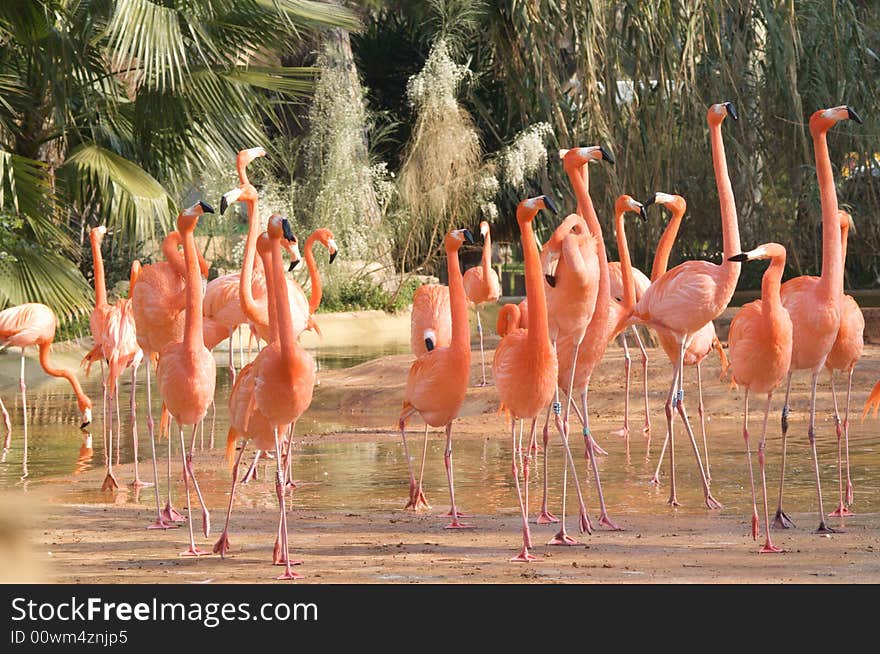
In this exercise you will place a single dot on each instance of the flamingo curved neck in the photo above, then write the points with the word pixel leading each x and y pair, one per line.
pixel 461 338
pixel 245 290
pixel 771 284
pixel 266 259
pixel 664 246
pixel 580 181
pixel 832 260
pixel 729 220
pixel 314 274
pixel 539 331
pixel 282 306
pixel 192 331
pixel 81 397
pixel 486 260
pixel 626 272
pixel 100 281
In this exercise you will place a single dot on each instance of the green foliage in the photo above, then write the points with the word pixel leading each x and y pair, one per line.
pixel 111 109
pixel 358 292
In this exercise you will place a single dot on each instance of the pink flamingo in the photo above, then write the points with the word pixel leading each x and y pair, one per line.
pixel 693 293
pixel 570 263
pixel 482 286
pixel 584 357
pixel 34 324
pixel 524 367
pixel 438 379
pixel 844 356
pixel 814 303
pixel 186 374
pixel 760 352
pixel 158 302
pixel 704 339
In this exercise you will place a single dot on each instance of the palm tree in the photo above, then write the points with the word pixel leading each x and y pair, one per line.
pixel 109 110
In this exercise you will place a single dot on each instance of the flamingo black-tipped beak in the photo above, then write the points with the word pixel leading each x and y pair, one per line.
pixel 287 231
pixel 548 202
pixel 742 256
pixel 206 208
pixel 731 110
pixel 292 265
pixel 851 113
pixel 429 344
pixel 84 425
pixel 469 236
pixel 650 201
pixel 606 156
pixel 224 205
pixel 643 213
pixel 551 280
pixel 333 255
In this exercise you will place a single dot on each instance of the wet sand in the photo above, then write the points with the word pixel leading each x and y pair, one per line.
pixel 80 535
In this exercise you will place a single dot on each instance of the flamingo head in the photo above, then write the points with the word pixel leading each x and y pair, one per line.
pixel 85 408
pixel 765 251
pixel 243 193
pixel 529 208
pixel 484 229
pixel 626 203
pixel 824 119
pixel 577 157
pixel 456 237
pixel 719 111
pixel 846 220
pixel 325 236
pixel 97 233
pixel 189 217
pixel 675 203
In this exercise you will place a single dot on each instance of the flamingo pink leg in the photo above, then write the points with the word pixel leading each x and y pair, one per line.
pixel 160 522
pixel 782 521
pixel 455 524
pixel 849 484
pixel 206 517
pixel 138 482
pixel 279 491
pixel 524 556
pixel 841 511
pixel 110 482
pixel 647 428
pixel 416 497
pixel 23 387
pixel 193 550
pixel 482 357
pixel 604 519
pixel 545 516
pixel 252 469
pixel 169 513
pixel 701 411
pixel 221 547
pixel 8 424
pixel 811 433
pixel 627 368
pixel 769 547
pixel 751 472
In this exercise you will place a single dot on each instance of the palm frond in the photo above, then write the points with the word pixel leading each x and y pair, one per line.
pixel 289 80
pixel 26 191
pixel 128 198
pixel 29 273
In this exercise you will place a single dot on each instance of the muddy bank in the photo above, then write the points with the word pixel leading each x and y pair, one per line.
pixel 351 528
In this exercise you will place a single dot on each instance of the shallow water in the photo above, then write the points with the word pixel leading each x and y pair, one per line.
pixel 360 476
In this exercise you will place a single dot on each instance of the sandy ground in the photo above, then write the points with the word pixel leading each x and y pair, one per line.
pixel 77 540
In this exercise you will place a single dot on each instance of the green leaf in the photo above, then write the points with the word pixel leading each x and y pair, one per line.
pixel 130 199
pixel 25 187
pixel 29 273
pixel 295 81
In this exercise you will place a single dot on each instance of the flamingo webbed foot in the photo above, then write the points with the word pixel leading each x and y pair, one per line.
pixel 770 548
pixel 546 518
pixel 825 529
pixel 110 483
pixel 782 521
pixel 561 538
pixel 193 551
pixel 524 556
pixel 605 520
pixel 160 523
pixel 840 512
pixel 712 503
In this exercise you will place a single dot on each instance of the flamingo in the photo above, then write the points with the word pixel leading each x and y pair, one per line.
pixel 617 290
pixel 687 297
pixel 186 374
pixel 325 237
pixel 482 286
pixel 243 419
pixel 120 349
pixel 570 262
pixel 284 375
pixel 760 353
pixel 524 367
pixel 815 302
pixel 578 360
pixel 431 319
pixel 627 286
pixel 844 356
pixel 158 302
pixel 98 315
pixel 438 379
pixel 704 339
pixel 34 324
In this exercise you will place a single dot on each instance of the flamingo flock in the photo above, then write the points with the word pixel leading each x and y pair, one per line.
pixel 577 303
